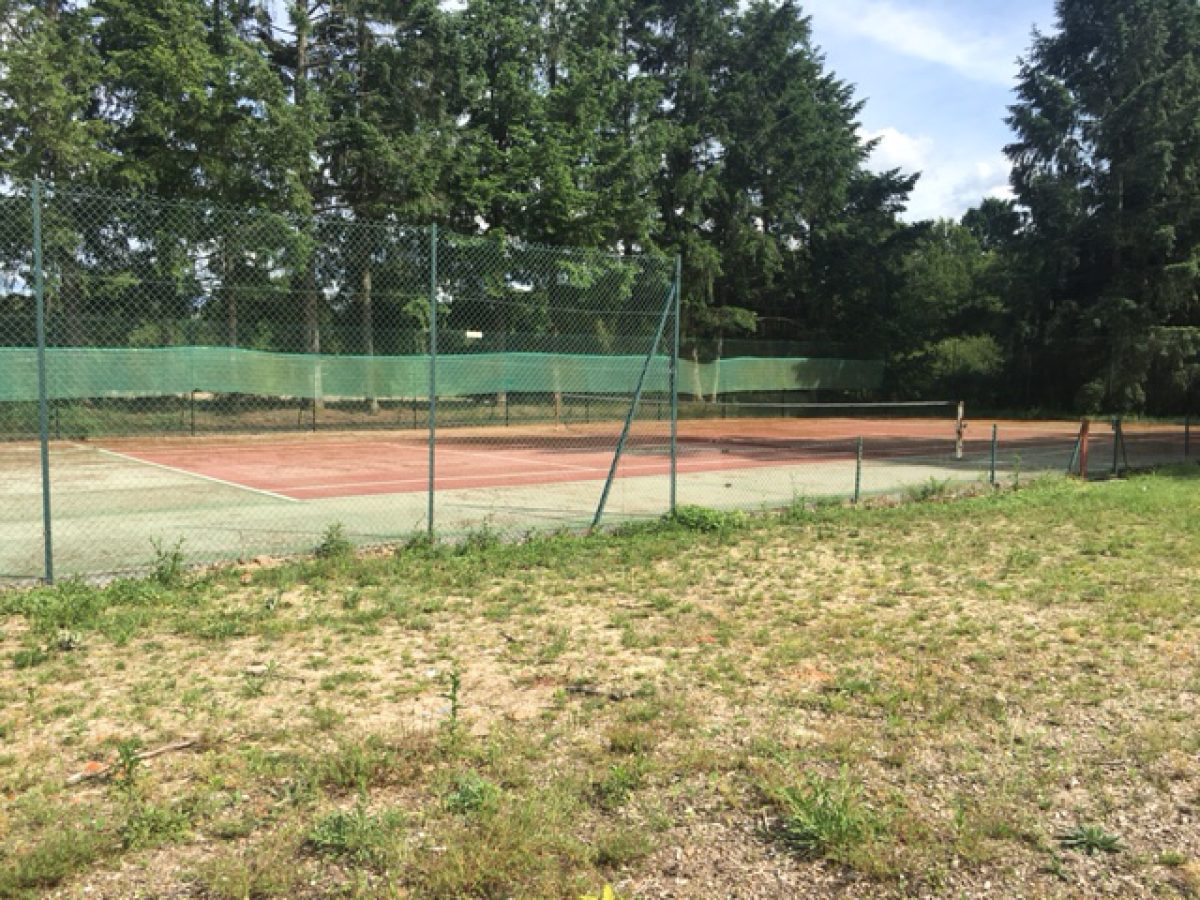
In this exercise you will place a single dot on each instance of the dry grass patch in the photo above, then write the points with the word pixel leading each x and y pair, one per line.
pixel 990 696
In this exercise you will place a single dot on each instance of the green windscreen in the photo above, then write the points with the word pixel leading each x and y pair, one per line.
pixel 85 372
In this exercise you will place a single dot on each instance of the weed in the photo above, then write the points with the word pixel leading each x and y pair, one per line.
pixel 29 657
pixel 619 781
pixel 151 825
pixel 1090 839
pixel 334 543
pixel 705 520
pixel 825 817
pixel 480 540
pixel 357 835
pixel 928 490
pixel 129 763
pixel 60 853
pixel 471 793
pixel 168 565
pixel 453 695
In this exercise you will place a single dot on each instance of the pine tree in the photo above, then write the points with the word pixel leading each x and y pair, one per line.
pixel 1107 133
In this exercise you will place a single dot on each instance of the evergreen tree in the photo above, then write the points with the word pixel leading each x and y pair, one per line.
pixel 1106 137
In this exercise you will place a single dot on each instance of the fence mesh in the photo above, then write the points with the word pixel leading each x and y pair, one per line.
pixel 238 382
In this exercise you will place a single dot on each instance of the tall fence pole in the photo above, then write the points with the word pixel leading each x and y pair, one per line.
pixel 1116 447
pixel 675 389
pixel 633 406
pixel 39 293
pixel 433 339
pixel 858 461
pixel 995 441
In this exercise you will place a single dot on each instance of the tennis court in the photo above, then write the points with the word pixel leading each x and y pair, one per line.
pixel 238 496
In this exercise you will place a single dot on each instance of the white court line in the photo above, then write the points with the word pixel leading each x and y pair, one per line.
pixel 177 471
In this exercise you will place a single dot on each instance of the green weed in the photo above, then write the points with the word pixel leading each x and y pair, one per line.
pixel 1090 839
pixel 825 817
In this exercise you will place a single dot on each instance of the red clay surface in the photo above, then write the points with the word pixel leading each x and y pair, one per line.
pixel 315 466
pixel 310 467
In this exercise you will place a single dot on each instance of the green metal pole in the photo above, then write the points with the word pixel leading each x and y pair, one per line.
pixel 675 388
pixel 995 442
pixel 1116 430
pixel 39 293
pixel 637 397
pixel 433 323
pixel 858 459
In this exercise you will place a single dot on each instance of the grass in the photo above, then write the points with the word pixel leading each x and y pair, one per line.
pixel 914 698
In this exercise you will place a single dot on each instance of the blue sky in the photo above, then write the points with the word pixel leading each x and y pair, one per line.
pixel 937 76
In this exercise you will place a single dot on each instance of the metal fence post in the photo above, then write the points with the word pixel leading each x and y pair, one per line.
pixel 1187 436
pixel 433 337
pixel 39 293
pixel 858 461
pixel 1116 448
pixel 633 407
pixel 675 389
pixel 995 441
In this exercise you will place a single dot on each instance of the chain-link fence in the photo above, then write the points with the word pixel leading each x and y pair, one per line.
pixel 193 381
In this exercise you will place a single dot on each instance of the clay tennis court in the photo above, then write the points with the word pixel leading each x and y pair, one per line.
pixel 319 466
pixel 116 502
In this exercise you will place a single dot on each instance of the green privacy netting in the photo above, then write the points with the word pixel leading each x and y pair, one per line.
pixel 86 372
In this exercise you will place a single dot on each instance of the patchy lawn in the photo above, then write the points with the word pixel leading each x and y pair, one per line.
pixel 990 696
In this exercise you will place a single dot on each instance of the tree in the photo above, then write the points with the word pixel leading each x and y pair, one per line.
pixel 1107 132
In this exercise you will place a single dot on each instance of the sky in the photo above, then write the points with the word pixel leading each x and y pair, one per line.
pixel 937 77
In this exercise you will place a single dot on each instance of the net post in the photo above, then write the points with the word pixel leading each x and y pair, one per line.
pixel 1187 436
pixel 995 441
pixel 858 461
pixel 674 374
pixel 433 338
pixel 960 427
pixel 39 292
pixel 637 397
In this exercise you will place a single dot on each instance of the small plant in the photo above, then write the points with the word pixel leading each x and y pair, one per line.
pixel 356 835
pixel 928 490
pixel 485 537
pixel 453 693
pixel 151 825
pixel 29 657
pixel 129 763
pixel 825 816
pixel 1090 839
pixel 618 783
pixel 472 793
pixel 705 520
pixel 334 543
pixel 167 568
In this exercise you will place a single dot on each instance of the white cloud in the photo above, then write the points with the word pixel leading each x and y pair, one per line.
pixel 951 181
pixel 921 35
pixel 897 150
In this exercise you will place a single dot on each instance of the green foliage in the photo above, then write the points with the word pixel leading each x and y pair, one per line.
pixel 472 794
pixel 168 565
pixel 357 835
pixel 334 543
pixel 1107 307
pixel 703 519
pixel 152 825
pixel 825 817
pixel 1090 839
